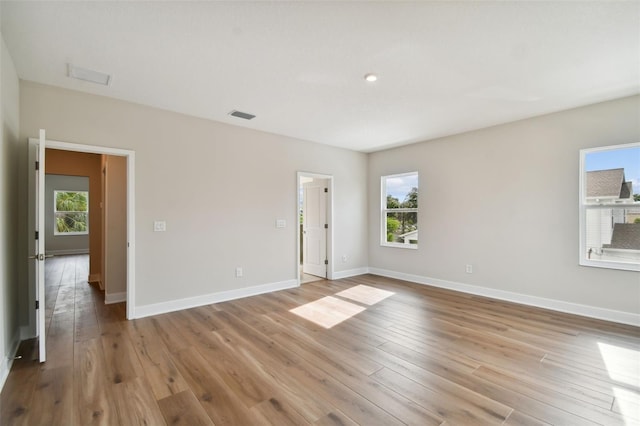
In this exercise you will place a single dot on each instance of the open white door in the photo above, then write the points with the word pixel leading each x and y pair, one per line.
pixel 36 236
pixel 314 222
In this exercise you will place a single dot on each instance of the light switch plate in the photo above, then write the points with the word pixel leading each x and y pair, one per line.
pixel 159 226
pixel 281 223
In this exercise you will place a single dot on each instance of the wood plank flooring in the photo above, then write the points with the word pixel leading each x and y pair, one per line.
pixel 366 350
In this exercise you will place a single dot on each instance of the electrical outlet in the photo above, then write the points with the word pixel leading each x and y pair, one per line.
pixel 469 269
pixel 344 258
pixel 238 272
pixel 159 226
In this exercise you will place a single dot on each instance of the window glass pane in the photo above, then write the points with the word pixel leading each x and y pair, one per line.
pixel 71 212
pixel 71 222
pixel 402 227
pixel 402 191
pixel 71 201
pixel 612 176
pixel 610 219
pixel 400 210
pixel 613 234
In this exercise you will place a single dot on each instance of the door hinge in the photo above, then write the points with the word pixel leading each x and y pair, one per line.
pixel 326 226
pixel 37 304
pixel 37 235
pixel 326 190
pixel 326 261
pixel 37 165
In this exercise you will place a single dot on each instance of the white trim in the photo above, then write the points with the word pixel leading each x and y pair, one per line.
pixel 208 299
pixel 5 365
pixel 65 252
pixel 96 278
pixel 400 245
pixel 115 298
pixel 384 211
pixel 55 210
pixel 350 273
pixel 131 208
pixel 299 174
pixel 582 213
pixel 131 235
pixel 541 302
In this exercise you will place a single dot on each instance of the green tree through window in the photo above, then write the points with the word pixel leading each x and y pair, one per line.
pixel 71 212
pixel 400 210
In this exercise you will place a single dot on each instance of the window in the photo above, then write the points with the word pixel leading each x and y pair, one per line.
pixel 399 210
pixel 610 207
pixel 71 210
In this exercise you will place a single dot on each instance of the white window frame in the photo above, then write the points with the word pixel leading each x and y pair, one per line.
pixel 384 210
pixel 55 212
pixel 584 207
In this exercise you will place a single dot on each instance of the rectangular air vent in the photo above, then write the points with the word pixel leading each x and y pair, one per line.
pixel 89 75
pixel 241 114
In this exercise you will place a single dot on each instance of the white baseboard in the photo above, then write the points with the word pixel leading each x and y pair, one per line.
pixel 5 365
pixel 96 278
pixel 349 273
pixel 65 252
pixel 207 299
pixel 541 302
pixel 115 298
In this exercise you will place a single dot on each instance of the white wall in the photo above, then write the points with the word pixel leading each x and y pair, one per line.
pixel 63 244
pixel 220 188
pixel 9 119
pixel 505 199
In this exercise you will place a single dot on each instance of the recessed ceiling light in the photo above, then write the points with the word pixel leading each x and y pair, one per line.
pixel 89 75
pixel 371 77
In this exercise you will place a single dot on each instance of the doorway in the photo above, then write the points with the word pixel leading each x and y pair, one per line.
pixel 127 161
pixel 314 209
pixel 73 204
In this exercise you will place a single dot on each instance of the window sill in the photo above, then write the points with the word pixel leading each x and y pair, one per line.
pixel 621 266
pixel 402 246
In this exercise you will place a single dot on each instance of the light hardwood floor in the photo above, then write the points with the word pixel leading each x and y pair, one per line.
pixel 366 350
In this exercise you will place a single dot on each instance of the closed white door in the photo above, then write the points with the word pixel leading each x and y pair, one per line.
pixel 314 222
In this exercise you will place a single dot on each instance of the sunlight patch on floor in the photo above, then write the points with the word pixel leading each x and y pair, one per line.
pixel 627 403
pixel 365 294
pixel 623 364
pixel 328 311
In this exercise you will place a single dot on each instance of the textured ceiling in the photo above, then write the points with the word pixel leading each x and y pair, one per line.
pixel 443 67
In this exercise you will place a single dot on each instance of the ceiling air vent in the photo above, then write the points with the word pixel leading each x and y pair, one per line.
pixel 89 75
pixel 241 114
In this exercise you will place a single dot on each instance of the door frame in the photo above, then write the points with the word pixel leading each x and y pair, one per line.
pixel 131 231
pixel 329 178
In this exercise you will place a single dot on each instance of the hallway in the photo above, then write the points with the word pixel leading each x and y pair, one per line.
pixel 72 304
pixel 75 314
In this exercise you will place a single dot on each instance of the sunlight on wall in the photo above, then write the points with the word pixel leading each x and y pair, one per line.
pixel 330 311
